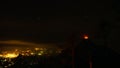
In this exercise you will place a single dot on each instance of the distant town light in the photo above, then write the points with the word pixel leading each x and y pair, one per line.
pixel 1 55
pixel 39 54
pixel 32 53
pixel 28 50
pixel 36 49
pixel 22 54
pixel 16 49
pixel 11 55
pixel 9 64
pixel 5 66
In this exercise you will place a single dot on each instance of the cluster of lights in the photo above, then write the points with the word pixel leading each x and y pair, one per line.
pixel 9 61
pixel 28 52
pixel 9 55
pixel 36 51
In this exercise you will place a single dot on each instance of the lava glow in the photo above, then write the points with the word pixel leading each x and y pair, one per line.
pixel 85 37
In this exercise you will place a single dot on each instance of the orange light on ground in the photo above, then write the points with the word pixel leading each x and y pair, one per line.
pixel 10 55
pixel 1 55
pixel 86 37
pixel 39 54
pixel 22 54
pixel 16 50
pixel 37 49
pixel 32 53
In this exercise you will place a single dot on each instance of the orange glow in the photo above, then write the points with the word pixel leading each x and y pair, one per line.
pixel 36 49
pixel 32 53
pixel 90 64
pixel 39 54
pixel 1 55
pixel 22 54
pixel 85 37
pixel 10 55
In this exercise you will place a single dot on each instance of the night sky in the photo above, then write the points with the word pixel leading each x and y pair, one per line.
pixel 47 21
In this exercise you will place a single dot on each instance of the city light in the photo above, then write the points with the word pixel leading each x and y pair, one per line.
pixel 1 55
pixel 22 54
pixel 39 54
pixel 28 52
pixel 32 53
pixel 37 49
pixel 10 55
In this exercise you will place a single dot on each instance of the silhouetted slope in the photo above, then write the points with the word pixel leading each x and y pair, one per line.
pixel 101 57
pixel 86 51
pixel 105 57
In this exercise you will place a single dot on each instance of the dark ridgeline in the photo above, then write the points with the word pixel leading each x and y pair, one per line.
pixel 88 55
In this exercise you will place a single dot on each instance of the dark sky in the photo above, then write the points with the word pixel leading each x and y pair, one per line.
pixel 53 21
